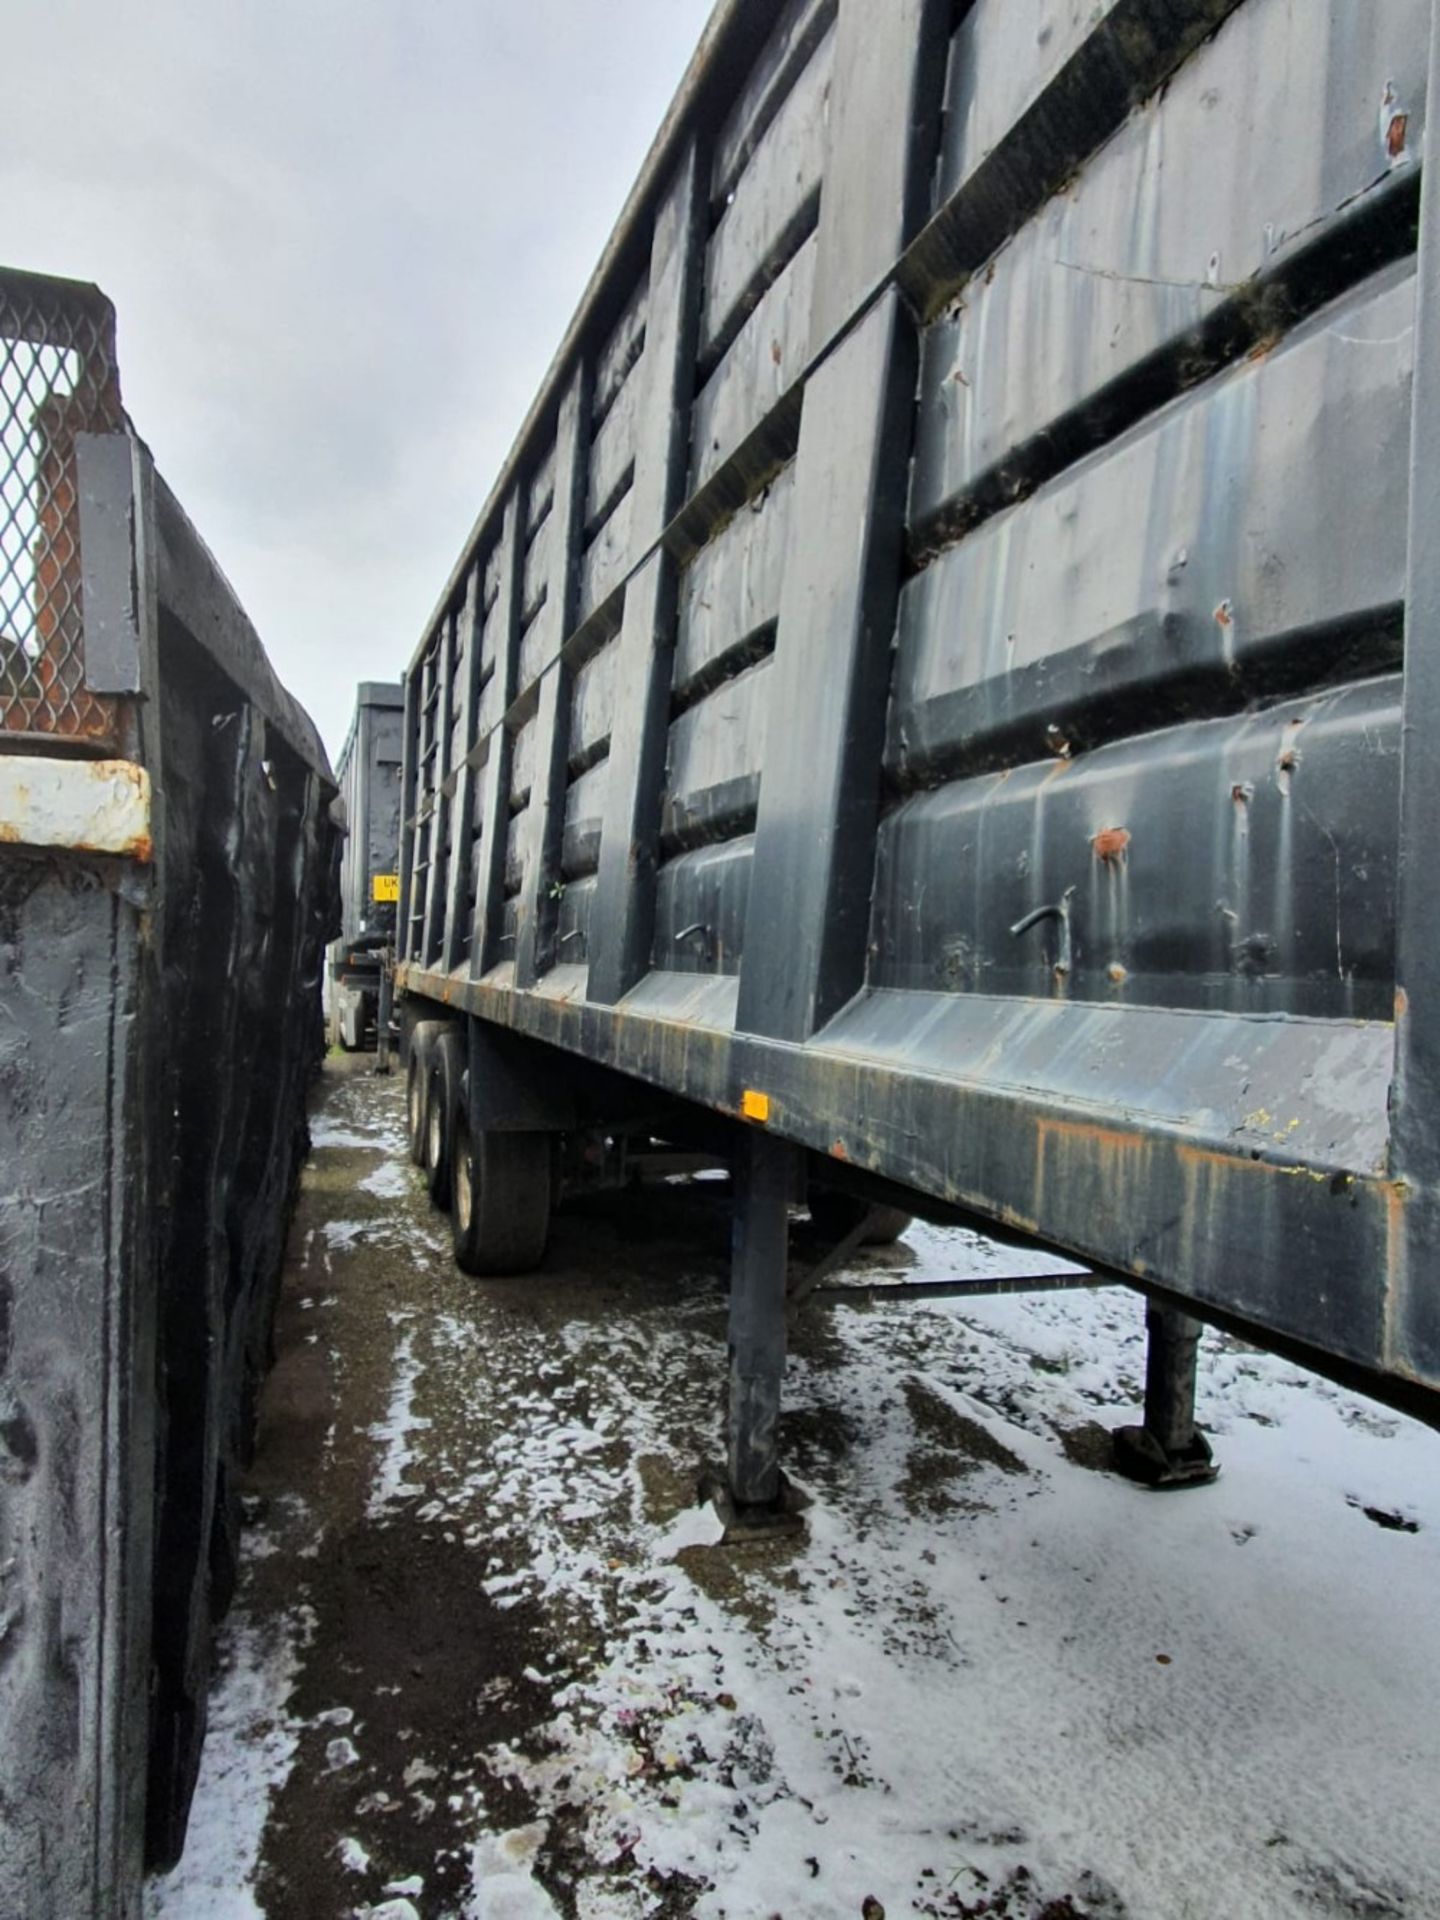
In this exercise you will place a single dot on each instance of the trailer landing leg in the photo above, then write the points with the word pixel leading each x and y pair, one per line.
pixel 1169 1450
pixel 753 1496
pixel 383 1016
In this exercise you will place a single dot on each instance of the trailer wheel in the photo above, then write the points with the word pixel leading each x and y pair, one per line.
pixel 503 1183
pixel 417 1085
pixel 442 1103
pixel 835 1214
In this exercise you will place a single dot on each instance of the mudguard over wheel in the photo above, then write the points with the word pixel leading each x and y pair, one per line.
pixel 502 1192
pixel 442 1102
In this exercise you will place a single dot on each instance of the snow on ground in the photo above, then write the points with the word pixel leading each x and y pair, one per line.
pixel 388 1181
pixel 1167 1706
pixel 987 1678
pixel 323 1134
pixel 248 1750
pixel 396 1432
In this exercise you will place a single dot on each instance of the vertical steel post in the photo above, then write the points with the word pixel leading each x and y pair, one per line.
pixel 355 867
pixel 383 1009
pixel 1171 1363
pixel 623 917
pixel 470 635
pixel 495 800
pixel 889 80
pixel 813 867
pixel 1169 1450
pixel 432 932
pixel 813 871
pixel 409 809
pixel 544 826
pixel 764 1175
pixel 1412 1301
pixel 811 878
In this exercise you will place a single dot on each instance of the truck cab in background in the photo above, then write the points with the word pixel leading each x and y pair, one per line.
pixel 369 776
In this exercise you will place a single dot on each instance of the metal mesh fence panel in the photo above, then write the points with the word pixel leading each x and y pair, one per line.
pixel 58 378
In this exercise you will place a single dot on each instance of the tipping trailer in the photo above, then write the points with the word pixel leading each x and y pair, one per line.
pixel 167 886
pixel 368 771
pixel 945 687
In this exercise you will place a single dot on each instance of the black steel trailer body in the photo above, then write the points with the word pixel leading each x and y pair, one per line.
pixel 369 774
pixel 167 875
pixel 949 675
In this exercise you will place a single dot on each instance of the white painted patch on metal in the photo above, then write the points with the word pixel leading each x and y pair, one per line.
pixel 90 806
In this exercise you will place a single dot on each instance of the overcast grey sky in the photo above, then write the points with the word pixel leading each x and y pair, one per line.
pixel 344 238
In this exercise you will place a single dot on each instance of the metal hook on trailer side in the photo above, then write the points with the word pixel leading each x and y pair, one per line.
pixel 1057 910
pixel 698 930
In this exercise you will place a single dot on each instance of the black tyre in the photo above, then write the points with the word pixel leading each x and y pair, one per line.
pixel 503 1189
pixel 417 1085
pixel 835 1214
pixel 442 1102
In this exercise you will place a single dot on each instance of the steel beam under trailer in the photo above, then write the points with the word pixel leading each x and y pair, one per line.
pixel 1167 1450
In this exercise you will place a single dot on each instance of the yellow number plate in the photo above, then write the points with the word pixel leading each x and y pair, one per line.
pixel 385 886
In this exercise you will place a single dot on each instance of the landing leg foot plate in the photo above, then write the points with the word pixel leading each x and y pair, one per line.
pixel 1140 1456
pixel 778 1518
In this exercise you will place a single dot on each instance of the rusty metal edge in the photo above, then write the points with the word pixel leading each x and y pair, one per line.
pixel 92 806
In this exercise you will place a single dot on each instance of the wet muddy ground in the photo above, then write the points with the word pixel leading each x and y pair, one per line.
pixel 489 1658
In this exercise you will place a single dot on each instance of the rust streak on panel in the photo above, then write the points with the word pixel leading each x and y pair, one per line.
pixel 1110 844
